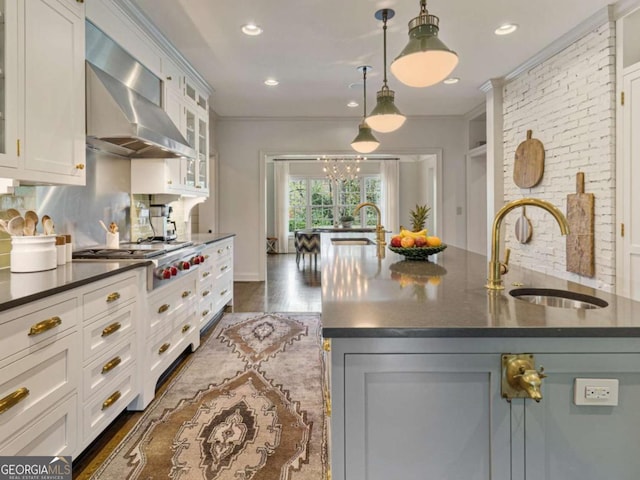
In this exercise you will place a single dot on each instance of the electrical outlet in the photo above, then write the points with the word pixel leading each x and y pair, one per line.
pixel 596 391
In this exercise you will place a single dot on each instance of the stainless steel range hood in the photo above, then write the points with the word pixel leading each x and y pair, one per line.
pixel 123 105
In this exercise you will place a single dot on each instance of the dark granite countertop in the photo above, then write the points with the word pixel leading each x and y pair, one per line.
pixel 21 288
pixel 204 238
pixel 365 296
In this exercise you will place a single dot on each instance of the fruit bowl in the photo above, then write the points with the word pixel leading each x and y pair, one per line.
pixel 417 253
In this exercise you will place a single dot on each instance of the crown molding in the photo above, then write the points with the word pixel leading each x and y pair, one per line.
pixel 137 16
pixel 624 7
pixel 232 118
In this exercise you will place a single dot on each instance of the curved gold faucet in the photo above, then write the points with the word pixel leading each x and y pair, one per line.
pixel 496 268
pixel 379 228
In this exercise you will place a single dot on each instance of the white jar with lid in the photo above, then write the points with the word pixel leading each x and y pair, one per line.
pixel 61 250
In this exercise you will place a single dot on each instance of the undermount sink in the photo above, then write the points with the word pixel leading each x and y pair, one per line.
pixel 352 241
pixel 557 298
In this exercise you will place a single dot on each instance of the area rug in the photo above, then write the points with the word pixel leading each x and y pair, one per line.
pixel 249 405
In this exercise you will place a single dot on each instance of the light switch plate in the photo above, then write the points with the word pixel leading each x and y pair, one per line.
pixel 596 392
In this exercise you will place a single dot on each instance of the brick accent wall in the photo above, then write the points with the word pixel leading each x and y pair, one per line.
pixel 569 103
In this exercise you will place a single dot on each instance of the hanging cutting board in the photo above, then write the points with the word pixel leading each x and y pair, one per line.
pixel 580 241
pixel 523 227
pixel 529 165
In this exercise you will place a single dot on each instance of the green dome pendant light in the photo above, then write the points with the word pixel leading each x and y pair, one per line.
pixel 364 142
pixel 385 117
pixel 425 60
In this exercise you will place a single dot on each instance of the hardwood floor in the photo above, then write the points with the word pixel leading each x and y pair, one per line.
pixel 289 288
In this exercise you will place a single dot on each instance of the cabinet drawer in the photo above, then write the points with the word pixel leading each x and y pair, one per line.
pixel 220 250
pixel 106 332
pixel 108 366
pixel 166 348
pixel 223 266
pixel 109 298
pixel 54 433
pixel 37 382
pixel 206 272
pixel 223 291
pixel 107 404
pixel 33 328
pixel 169 304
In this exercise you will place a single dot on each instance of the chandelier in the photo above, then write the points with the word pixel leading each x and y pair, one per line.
pixel 341 168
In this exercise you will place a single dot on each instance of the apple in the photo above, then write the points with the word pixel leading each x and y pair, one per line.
pixel 395 241
pixel 408 242
pixel 421 242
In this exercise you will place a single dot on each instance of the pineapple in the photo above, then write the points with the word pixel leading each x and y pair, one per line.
pixel 419 217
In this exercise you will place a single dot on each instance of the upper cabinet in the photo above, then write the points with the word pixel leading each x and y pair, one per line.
pixel 42 84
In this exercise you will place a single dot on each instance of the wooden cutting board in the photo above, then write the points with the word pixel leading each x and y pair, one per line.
pixel 529 164
pixel 580 241
pixel 523 227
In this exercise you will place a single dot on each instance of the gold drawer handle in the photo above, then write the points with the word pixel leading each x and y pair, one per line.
pixel 45 325
pixel 186 293
pixel 163 308
pixel 164 348
pixel 80 166
pixel 220 250
pixel 205 274
pixel 206 257
pixel 186 328
pixel 111 400
pixel 112 297
pixel 222 269
pixel 13 399
pixel 223 292
pixel 113 328
pixel 205 293
pixel 326 344
pixel 205 313
pixel 111 364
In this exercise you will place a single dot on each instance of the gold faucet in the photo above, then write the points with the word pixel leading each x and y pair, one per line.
pixel 496 268
pixel 379 227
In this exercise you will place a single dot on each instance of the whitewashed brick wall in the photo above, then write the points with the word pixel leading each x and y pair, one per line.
pixel 569 103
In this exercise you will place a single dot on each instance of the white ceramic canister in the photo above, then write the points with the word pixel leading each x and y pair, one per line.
pixel 61 249
pixel 69 248
pixel 33 253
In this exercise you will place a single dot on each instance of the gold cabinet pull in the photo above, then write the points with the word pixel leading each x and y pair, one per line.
pixel 112 297
pixel 113 398
pixel 326 344
pixel 164 348
pixel 205 274
pixel 223 268
pixel 80 166
pixel 205 313
pixel 220 250
pixel 205 293
pixel 113 328
pixel 206 257
pixel 13 399
pixel 228 247
pixel 111 364
pixel 186 328
pixel 186 293
pixel 45 325
pixel 163 308
pixel 224 292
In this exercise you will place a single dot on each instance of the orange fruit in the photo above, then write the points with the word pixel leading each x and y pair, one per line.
pixel 434 241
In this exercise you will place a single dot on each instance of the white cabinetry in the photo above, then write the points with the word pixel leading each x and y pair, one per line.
pixel 43 124
pixel 215 286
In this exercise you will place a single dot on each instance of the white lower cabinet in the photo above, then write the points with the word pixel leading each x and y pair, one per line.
pixel 399 411
pixel 215 286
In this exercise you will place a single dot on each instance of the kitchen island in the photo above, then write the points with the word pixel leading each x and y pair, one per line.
pixel 416 353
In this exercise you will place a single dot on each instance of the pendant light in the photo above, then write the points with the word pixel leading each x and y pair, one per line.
pixel 425 60
pixel 364 142
pixel 385 117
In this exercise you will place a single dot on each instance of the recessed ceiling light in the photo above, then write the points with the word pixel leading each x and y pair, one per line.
pixel 251 29
pixel 352 104
pixel 356 85
pixel 271 82
pixel 451 80
pixel 506 29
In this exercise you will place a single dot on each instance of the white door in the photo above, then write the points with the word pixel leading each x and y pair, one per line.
pixel 430 193
pixel 477 203
pixel 629 182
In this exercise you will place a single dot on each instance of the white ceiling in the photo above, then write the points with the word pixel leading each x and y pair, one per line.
pixel 314 46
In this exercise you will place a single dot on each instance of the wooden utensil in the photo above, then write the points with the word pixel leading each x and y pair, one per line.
pixel 523 227
pixel 580 241
pixel 32 216
pixel 47 226
pixel 15 227
pixel 529 164
pixel 12 212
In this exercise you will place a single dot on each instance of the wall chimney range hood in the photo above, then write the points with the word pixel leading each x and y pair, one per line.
pixel 124 116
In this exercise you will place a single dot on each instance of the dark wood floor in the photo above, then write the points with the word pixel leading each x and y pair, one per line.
pixel 289 288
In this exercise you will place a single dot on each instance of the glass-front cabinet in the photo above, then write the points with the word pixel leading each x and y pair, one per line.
pixel 190 163
pixel 203 161
pixel 197 133
pixel 8 84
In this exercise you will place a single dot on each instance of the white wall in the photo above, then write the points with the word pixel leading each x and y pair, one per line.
pixel 569 103
pixel 240 143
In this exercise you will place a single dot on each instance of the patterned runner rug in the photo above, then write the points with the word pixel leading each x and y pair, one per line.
pixel 248 405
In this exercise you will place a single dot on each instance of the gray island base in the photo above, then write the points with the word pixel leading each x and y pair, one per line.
pixel 415 367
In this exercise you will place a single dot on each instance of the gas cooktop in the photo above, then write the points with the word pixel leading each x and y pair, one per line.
pixel 131 251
